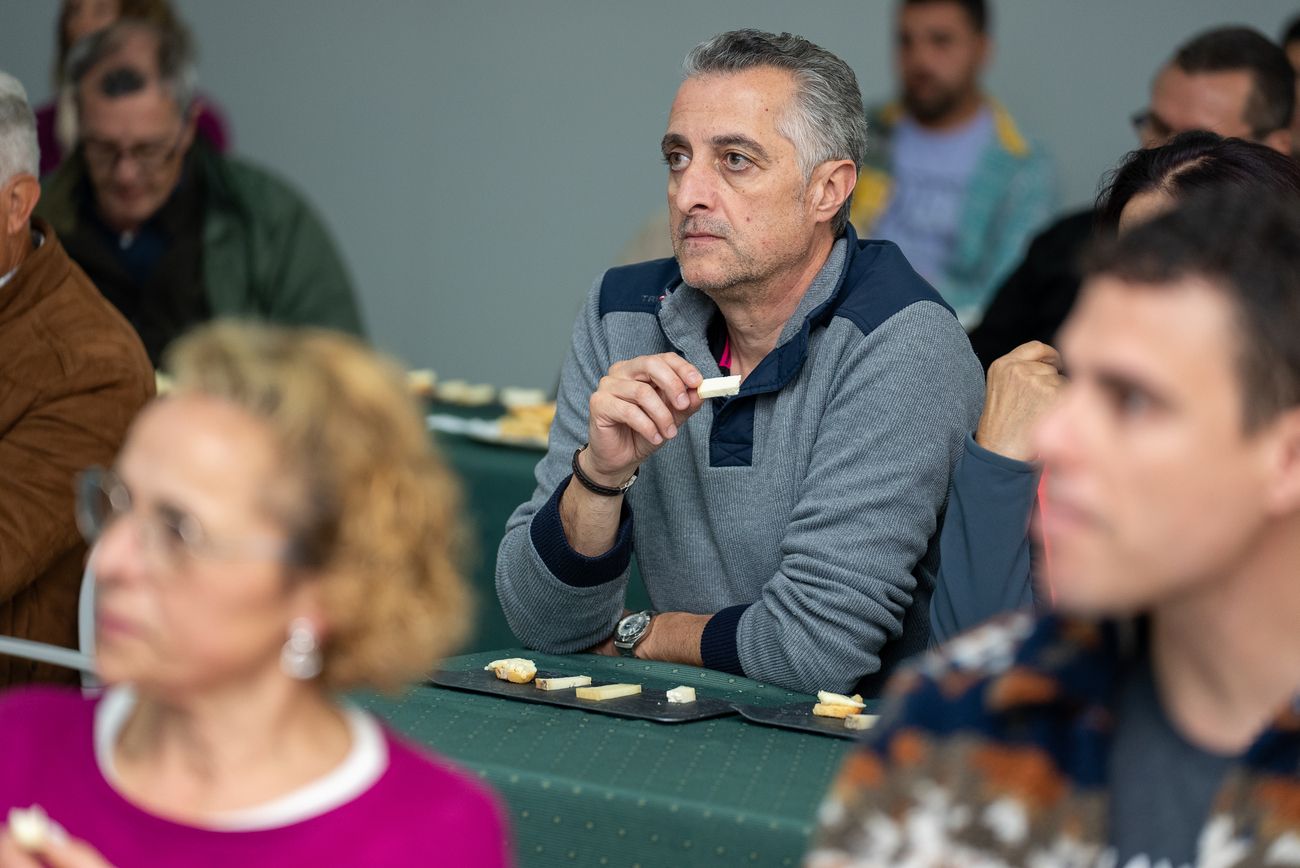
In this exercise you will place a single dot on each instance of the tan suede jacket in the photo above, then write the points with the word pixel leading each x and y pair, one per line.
pixel 73 374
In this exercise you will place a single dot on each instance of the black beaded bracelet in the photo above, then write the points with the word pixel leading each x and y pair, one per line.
pixel 595 487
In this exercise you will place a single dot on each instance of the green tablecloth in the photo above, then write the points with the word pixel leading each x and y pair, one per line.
pixel 496 480
pixel 589 789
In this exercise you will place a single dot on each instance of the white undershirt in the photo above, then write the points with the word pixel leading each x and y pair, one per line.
pixel 366 761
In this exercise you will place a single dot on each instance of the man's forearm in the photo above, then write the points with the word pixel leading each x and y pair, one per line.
pixel 590 520
pixel 674 638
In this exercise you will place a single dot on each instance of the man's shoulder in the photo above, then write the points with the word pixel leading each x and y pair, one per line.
pixel 74 337
pixel 637 288
pixel 879 284
pixel 1013 666
pixel 255 190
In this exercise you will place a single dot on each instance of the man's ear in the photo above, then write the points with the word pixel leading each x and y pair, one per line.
pixel 832 184
pixel 20 196
pixel 1282 496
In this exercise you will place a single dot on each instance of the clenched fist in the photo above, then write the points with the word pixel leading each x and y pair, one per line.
pixel 1021 387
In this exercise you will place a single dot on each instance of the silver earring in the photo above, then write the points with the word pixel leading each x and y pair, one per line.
pixel 300 657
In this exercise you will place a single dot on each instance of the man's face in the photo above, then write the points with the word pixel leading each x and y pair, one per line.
pixel 939 56
pixel 1183 101
pixel 738 212
pixel 1153 486
pixel 135 147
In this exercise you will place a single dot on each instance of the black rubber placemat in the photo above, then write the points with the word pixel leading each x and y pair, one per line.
pixel 799 716
pixel 649 704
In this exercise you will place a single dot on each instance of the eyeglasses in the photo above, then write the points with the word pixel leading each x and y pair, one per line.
pixel 1154 131
pixel 172 536
pixel 1149 126
pixel 148 156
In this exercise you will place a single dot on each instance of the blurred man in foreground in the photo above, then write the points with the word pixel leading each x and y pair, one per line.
pixel 1156 720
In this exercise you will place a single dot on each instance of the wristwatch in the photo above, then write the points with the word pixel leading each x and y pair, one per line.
pixel 632 630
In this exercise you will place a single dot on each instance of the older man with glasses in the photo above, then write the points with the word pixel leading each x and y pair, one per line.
pixel 72 376
pixel 172 232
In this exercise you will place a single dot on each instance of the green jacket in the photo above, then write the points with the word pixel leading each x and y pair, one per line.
pixel 266 255
pixel 1010 196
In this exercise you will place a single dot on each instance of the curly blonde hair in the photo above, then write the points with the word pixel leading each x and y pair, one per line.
pixel 375 512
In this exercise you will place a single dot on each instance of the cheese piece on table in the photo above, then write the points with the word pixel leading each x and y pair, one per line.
pixel 860 721
pixel 825 697
pixel 821 709
pixel 608 691
pixel 563 683
pixel 516 670
pixel 719 387
pixel 682 694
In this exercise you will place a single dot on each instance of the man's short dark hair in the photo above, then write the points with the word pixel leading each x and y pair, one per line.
pixel 1194 161
pixel 1230 49
pixel 173 56
pixel 977 10
pixel 1247 247
pixel 1292 32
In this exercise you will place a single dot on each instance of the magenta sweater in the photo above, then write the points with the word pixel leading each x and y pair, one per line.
pixel 420 812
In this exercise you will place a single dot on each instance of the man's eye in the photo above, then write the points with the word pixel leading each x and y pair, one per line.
pixel 676 160
pixel 737 161
pixel 1132 403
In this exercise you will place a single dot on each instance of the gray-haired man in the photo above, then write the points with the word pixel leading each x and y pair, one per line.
pixel 787 533
pixel 72 376
pixel 170 231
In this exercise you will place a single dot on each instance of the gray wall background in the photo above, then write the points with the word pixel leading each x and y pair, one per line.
pixel 481 162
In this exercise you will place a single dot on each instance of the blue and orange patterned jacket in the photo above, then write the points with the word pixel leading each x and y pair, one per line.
pixel 993 752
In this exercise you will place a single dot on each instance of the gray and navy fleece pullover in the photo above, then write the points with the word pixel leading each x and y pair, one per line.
pixel 803 513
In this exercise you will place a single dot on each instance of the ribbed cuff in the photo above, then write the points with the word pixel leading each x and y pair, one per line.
pixel 996 459
pixel 718 641
pixel 570 567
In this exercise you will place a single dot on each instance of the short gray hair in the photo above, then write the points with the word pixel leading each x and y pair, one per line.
pixel 20 153
pixel 173 56
pixel 827 120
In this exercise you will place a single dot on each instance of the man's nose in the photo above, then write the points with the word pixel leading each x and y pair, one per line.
pixel 694 187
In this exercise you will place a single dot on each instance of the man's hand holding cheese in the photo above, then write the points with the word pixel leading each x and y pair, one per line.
pixel 785 526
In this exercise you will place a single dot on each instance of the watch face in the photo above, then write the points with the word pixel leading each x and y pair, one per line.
pixel 632 626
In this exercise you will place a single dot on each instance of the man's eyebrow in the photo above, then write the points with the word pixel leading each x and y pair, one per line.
pixel 737 140
pixel 672 140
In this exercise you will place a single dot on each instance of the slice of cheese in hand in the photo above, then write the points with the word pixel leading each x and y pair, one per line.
pixel 825 697
pixel 682 694
pixel 860 721
pixel 563 683
pixel 719 387
pixel 608 691
pixel 516 670
pixel 32 828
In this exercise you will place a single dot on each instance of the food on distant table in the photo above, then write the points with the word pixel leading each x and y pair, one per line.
pixel 32 828
pixel 719 387
pixel 837 705
pixel 516 670
pixel 682 694
pixel 860 721
pixel 529 422
pixel 465 394
pixel 421 382
pixel 513 396
pixel 608 691
pixel 563 683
